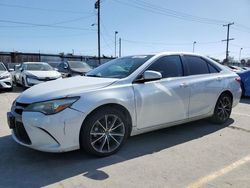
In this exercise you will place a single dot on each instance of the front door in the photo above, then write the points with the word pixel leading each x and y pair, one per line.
pixel 162 101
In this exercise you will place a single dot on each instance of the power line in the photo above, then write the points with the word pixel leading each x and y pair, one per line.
pixel 177 13
pixel 168 44
pixel 170 13
pixel 43 9
pixel 44 25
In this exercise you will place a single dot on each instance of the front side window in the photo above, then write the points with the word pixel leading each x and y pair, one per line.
pixel 168 66
pixel 196 65
pixel 119 68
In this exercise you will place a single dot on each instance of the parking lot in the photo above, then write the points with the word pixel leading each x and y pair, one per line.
pixel 198 154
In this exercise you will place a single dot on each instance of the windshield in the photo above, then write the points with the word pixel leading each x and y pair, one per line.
pixel 78 65
pixel 119 68
pixel 38 67
pixel 2 67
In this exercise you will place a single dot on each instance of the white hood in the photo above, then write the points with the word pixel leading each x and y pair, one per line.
pixel 43 74
pixel 62 88
pixel 4 73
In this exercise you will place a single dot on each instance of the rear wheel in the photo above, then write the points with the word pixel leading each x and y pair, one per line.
pixel 23 83
pixel 104 132
pixel 222 109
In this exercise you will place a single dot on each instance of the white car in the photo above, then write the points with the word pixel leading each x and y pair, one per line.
pixel 32 73
pixel 121 98
pixel 5 78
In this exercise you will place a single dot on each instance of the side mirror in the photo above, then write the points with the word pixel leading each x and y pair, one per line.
pixel 149 76
pixel 21 69
pixel 56 69
pixel 11 70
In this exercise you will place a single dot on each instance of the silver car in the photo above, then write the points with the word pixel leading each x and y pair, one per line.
pixel 121 98
pixel 5 78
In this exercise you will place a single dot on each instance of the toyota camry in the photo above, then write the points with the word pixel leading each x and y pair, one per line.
pixel 121 98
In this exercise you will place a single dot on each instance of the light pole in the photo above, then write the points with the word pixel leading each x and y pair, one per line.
pixel 240 53
pixel 116 32
pixel 194 45
pixel 120 47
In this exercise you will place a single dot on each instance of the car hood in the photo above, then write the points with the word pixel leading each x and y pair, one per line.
pixel 3 73
pixel 62 88
pixel 43 74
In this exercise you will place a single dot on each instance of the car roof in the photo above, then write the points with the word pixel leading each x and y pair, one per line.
pixel 35 63
pixel 168 53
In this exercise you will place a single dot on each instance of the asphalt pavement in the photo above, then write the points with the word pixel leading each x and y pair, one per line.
pixel 197 154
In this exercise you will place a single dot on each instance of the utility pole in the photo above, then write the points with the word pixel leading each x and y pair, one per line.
pixel 228 39
pixel 116 32
pixel 240 54
pixel 97 6
pixel 120 47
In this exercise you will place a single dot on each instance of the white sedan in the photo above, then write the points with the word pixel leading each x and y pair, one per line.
pixel 5 78
pixel 121 98
pixel 32 73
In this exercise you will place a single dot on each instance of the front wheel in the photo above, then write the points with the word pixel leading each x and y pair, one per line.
pixel 104 132
pixel 222 109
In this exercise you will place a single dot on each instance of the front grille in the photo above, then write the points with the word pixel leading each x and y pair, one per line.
pixel 20 107
pixel 21 133
pixel 46 79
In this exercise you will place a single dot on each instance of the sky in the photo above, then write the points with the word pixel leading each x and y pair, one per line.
pixel 144 26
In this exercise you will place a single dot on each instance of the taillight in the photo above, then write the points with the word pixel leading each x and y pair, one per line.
pixel 238 79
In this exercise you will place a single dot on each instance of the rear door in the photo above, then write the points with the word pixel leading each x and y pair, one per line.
pixel 205 83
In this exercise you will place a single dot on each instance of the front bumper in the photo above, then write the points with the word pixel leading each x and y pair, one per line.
pixel 49 133
pixel 6 83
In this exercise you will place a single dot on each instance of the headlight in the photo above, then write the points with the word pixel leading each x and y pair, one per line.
pixel 5 76
pixel 31 76
pixel 51 107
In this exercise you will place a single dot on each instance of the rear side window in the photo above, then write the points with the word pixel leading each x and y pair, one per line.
pixel 212 69
pixel 168 66
pixel 196 65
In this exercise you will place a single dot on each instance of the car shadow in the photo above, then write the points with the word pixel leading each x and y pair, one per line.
pixel 245 100
pixel 16 89
pixel 24 167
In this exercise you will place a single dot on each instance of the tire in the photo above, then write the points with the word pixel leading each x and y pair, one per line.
pixel 223 109
pixel 23 83
pixel 104 132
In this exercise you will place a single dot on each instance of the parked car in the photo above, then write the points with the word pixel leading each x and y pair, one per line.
pixel 32 73
pixel 5 78
pixel 73 68
pixel 245 82
pixel 121 98
pixel 246 68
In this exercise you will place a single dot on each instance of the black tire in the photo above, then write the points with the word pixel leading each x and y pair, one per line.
pixel 23 83
pixel 94 134
pixel 223 109
pixel 243 89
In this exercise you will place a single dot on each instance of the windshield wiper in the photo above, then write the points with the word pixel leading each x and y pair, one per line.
pixel 93 75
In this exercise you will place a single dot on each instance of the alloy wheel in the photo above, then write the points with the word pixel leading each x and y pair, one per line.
pixel 107 133
pixel 224 108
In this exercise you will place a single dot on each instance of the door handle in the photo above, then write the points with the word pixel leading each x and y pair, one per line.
pixel 184 85
pixel 218 78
